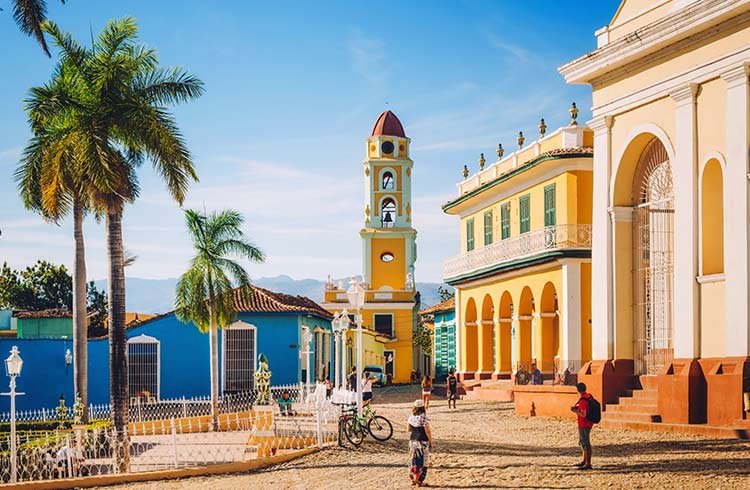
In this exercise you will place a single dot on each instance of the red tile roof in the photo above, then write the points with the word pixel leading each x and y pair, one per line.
pixel 51 313
pixel 388 125
pixel 265 301
pixel 447 305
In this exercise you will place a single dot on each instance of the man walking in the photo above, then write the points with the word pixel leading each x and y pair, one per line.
pixel 583 410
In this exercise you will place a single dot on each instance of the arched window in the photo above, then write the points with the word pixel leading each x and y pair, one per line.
pixel 143 368
pixel 388 213
pixel 388 182
pixel 239 355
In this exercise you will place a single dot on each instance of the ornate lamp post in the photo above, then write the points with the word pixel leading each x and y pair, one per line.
pixel 13 365
pixel 356 296
pixel 306 340
pixel 340 325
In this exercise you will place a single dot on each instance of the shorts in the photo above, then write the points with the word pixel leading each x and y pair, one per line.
pixel 584 438
pixel 367 396
pixel 426 393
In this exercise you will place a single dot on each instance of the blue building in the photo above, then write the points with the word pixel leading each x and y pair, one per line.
pixel 444 317
pixel 170 359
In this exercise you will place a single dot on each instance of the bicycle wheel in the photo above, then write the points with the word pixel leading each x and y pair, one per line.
pixel 353 431
pixel 380 428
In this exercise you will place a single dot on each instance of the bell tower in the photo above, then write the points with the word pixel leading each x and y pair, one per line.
pixel 388 239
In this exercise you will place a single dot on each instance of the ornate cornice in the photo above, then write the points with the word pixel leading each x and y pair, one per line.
pixel 737 75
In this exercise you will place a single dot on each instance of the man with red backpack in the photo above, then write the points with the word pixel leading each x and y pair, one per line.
pixel 589 412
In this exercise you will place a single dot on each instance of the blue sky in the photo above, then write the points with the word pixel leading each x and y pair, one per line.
pixel 292 90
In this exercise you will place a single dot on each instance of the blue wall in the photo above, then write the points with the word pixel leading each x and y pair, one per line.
pixel 185 357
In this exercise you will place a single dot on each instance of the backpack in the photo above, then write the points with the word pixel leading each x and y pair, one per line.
pixel 594 413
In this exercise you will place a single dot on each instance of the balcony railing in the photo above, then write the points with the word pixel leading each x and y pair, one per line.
pixel 549 238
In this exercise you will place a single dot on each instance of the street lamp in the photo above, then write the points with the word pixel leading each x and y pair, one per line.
pixel 13 366
pixel 306 339
pixel 356 296
pixel 340 325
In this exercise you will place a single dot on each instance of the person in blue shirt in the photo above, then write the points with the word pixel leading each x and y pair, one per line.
pixel 536 375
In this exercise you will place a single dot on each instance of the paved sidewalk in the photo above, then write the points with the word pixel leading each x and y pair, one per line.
pixel 484 445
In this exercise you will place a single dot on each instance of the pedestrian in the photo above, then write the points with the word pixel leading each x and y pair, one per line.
pixel 536 375
pixel 583 411
pixel 329 387
pixel 452 383
pixel 420 443
pixel 426 391
pixel 352 379
pixel 367 388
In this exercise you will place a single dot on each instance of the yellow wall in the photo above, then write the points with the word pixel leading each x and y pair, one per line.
pixel 570 187
pixel 391 274
pixel 403 326
pixel 712 219
pixel 586 323
pixel 636 79
pixel 372 349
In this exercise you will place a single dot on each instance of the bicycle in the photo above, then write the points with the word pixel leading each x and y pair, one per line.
pixel 356 428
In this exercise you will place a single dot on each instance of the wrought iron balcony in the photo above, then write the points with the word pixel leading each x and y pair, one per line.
pixel 550 238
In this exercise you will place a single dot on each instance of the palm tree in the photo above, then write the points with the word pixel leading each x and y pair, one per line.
pixel 204 294
pixel 114 120
pixel 29 16
pixel 50 183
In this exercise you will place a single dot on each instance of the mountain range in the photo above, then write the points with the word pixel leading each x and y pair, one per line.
pixel 157 295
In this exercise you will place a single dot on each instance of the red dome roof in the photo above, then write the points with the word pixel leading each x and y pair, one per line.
pixel 388 125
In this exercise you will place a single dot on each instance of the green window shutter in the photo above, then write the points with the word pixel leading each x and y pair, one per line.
pixel 550 208
pixel 524 212
pixel 470 235
pixel 505 221
pixel 488 227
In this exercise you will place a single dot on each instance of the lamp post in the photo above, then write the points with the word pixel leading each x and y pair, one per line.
pixel 13 365
pixel 356 296
pixel 340 324
pixel 306 339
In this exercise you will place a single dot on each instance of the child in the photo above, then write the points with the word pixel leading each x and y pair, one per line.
pixel 452 383
pixel 426 391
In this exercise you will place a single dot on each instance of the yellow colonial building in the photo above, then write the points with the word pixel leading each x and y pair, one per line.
pixel 523 277
pixel 388 252
pixel 671 210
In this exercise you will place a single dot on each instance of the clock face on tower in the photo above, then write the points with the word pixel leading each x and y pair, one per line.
pixel 387 147
pixel 387 257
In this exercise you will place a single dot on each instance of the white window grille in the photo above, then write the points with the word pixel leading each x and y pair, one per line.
pixel 144 368
pixel 239 342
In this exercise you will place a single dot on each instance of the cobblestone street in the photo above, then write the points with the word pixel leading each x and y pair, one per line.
pixel 484 445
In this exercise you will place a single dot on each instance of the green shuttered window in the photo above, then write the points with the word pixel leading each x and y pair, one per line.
pixel 470 235
pixel 550 208
pixel 524 213
pixel 505 221
pixel 488 227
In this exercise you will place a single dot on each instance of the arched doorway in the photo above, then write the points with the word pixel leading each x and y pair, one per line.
pixel 550 329
pixel 653 259
pixel 470 339
pixel 485 339
pixel 525 319
pixel 503 345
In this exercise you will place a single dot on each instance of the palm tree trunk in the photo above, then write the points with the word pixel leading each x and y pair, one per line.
pixel 118 362
pixel 214 339
pixel 80 322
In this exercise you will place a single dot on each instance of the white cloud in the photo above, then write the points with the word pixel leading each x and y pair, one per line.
pixel 368 57
pixel 511 50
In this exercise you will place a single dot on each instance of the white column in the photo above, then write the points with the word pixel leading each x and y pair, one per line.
pixel 536 322
pixel 515 327
pixel 459 359
pixel 602 281
pixel 571 311
pixel 685 302
pixel 737 213
pixel 336 361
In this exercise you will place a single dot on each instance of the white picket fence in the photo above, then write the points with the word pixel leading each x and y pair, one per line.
pixel 178 441
pixel 166 408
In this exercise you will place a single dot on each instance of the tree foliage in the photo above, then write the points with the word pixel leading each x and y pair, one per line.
pixel 422 337
pixel 39 287
pixel 445 293
pixel 29 15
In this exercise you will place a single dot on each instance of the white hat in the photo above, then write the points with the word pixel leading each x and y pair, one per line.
pixel 418 404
